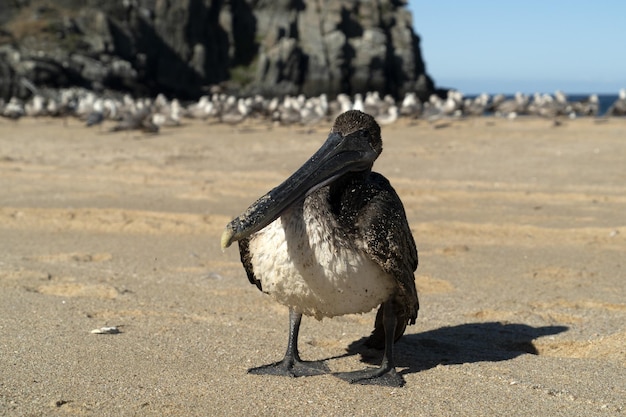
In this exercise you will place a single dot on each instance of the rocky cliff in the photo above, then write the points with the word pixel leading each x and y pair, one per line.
pixel 183 47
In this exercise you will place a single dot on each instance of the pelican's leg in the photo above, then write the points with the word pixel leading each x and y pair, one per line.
pixel 386 374
pixel 292 365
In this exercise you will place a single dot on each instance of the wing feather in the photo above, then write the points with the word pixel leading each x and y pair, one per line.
pixel 246 260
pixel 384 234
pixel 387 239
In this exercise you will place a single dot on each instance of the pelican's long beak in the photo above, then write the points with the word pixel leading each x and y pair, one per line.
pixel 338 155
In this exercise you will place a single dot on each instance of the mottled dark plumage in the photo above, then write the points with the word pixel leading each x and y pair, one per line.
pixel 372 213
pixel 362 209
pixel 244 253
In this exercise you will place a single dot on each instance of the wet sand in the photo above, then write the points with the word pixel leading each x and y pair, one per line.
pixel 520 228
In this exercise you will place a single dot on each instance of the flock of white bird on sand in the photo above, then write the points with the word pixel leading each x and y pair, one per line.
pixel 149 115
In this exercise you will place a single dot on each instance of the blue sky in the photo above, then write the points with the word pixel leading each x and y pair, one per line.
pixel 528 46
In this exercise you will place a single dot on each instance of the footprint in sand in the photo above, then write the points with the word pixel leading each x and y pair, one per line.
pixel 551 273
pixel 492 315
pixel 454 250
pixel 609 347
pixel 69 287
pixel 74 257
pixel 581 304
pixel 77 289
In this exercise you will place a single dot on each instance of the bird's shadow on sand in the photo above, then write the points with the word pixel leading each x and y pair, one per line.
pixel 465 343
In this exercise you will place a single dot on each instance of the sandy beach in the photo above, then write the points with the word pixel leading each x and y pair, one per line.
pixel 521 232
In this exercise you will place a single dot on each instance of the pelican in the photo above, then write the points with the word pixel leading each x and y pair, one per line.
pixel 333 239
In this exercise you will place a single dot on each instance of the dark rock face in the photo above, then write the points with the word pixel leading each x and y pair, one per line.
pixel 182 47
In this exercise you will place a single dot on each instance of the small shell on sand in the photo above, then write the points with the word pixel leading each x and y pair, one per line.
pixel 106 330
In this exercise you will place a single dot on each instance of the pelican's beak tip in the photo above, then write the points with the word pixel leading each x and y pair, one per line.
pixel 227 237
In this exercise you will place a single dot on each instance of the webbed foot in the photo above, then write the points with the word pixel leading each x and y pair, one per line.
pixel 292 368
pixel 373 376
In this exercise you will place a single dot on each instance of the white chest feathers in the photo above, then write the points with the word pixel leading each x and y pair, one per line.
pixel 304 262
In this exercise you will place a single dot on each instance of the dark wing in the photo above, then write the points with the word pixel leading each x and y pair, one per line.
pixel 244 253
pixel 386 237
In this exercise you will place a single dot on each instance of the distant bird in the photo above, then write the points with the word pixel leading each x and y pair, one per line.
pixel 166 113
pixel 141 120
pixel 476 106
pixel 587 107
pixel 96 116
pixel 411 106
pixel 345 103
pixel 333 239
pixel 618 108
pixel 36 107
pixel 432 108
pixel 388 117
pixel 200 110
pixel 314 111
pixel 14 109
pixel 372 104
pixel 68 104
pixel 511 108
pixel 358 102
pixel 236 113
pixel 288 112
pixel 453 104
